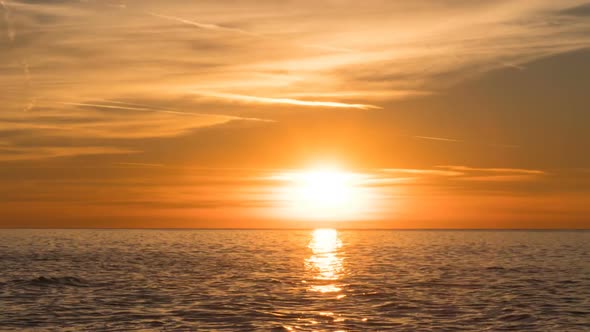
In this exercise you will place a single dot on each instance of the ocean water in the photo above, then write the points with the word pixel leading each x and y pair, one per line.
pixel 304 280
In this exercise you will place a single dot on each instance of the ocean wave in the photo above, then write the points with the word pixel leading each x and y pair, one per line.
pixel 54 281
pixel 221 281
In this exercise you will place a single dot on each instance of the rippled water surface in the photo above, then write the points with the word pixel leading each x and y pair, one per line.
pixel 322 280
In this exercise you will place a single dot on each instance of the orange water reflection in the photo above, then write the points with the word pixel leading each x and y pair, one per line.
pixel 325 264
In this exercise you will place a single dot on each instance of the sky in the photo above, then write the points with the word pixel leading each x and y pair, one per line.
pixel 177 113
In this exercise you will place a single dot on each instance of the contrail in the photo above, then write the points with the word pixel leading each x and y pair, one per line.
pixel 215 27
pixel 206 26
pixel 9 28
pixel 493 169
pixel 513 65
pixel 288 101
pixel 111 101
pixel 452 140
pixel 141 109
pixel 438 139
pixel 140 164
pixel 114 107
pixel 156 110
pixel 507 146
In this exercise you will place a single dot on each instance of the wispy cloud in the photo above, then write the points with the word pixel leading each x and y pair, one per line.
pixel 200 25
pixel 10 32
pixel 474 142
pixel 139 164
pixel 12 153
pixel 454 173
pixel 91 122
pixel 123 108
pixel 106 106
pixel 313 54
pixel 520 171
pixel 287 101
pixel 134 107
pixel 442 139
pixel 412 171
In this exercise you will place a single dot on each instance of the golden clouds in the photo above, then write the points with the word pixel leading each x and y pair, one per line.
pixel 341 55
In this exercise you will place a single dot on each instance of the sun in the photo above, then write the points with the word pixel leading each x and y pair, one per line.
pixel 323 193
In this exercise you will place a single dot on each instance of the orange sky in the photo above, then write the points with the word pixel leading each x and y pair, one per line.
pixel 451 114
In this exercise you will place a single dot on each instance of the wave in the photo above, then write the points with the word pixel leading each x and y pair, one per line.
pixel 55 281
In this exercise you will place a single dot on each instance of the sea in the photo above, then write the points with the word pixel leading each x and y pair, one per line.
pixel 294 280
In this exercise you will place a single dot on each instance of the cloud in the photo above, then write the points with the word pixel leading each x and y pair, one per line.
pixel 452 176
pixel 35 153
pixel 411 171
pixel 206 26
pixel 454 140
pixel 430 138
pixel 90 120
pixel 286 101
pixel 117 105
pixel 70 56
pixel 516 171
pixel 139 164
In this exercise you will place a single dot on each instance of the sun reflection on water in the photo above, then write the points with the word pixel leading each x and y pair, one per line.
pixel 325 264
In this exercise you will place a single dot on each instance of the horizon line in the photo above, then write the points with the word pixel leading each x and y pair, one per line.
pixel 292 229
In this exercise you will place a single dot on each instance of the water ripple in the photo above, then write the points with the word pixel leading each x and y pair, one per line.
pixel 294 280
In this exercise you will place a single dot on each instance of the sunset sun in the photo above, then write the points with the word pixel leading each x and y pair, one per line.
pixel 325 193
